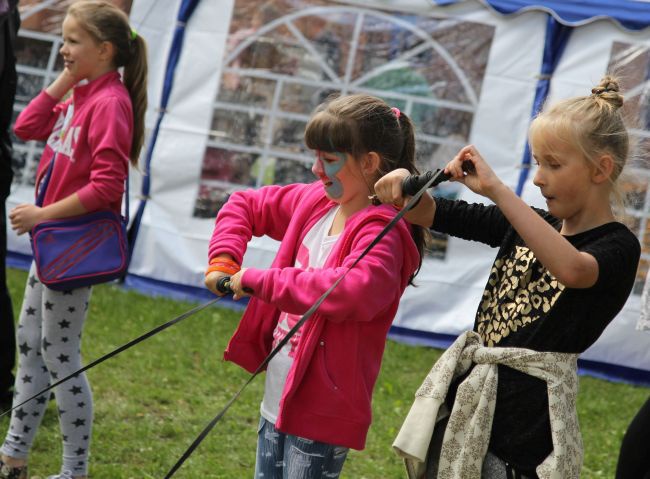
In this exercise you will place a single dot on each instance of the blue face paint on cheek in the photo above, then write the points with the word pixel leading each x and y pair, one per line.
pixel 335 190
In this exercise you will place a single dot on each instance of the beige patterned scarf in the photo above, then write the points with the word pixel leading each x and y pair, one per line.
pixel 467 435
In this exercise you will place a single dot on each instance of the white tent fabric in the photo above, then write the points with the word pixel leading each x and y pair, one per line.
pixel 171 246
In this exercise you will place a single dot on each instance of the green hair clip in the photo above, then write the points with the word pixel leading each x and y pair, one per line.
pixel 134 34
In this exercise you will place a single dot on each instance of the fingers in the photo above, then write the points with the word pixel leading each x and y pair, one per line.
pixel 19 228
pixel 237 288
pixel 234 284
pixel 238 294
pixel 389 187
pixel 16 223
pixel 464 163
pixel 470 168
pixel 454 168
pixel 396 194
pixel 22 218
pixel 211 282
pixel 16 211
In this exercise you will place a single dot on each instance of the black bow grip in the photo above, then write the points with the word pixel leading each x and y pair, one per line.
pixel 223 286
pixel 414 183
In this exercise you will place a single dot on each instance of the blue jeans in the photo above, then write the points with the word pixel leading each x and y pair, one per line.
pixel 283 456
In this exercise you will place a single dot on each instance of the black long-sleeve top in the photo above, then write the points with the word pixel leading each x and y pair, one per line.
pixel 524 306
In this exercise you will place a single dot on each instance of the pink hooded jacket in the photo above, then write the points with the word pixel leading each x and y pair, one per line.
pixel 327 396
pixel 93 151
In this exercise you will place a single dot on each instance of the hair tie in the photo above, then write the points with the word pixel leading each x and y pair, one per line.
pixel 396 112
pixel 599 90
pixel 134 34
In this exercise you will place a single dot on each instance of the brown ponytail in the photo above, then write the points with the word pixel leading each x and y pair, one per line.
pixel 135 81
pixel 107 23
pixel 421 235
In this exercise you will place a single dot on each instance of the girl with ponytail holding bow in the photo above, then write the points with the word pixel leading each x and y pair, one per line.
pixel 93 135
pixel 318 388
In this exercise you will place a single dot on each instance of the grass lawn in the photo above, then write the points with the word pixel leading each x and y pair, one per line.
pixel 153 400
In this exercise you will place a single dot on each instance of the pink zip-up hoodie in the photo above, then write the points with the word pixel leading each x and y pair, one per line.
pixel 327 396
pixel 92 150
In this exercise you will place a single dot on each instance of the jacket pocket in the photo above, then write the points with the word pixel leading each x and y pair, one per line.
pixel 323 366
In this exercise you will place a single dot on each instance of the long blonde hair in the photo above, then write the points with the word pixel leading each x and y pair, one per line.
pixel 107 23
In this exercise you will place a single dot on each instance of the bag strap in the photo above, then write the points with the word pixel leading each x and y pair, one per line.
pixel 126 197
pixel 42 187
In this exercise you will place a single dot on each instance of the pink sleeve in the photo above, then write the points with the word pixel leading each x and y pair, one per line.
pixel 371 286
pixel 266 211
pixel 37 120
pixel 109 140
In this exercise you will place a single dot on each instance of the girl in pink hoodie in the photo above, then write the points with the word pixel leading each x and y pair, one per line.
pixel 91 137
pixel 318 388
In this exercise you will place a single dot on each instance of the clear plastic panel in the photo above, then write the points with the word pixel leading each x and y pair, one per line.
pixel 284 58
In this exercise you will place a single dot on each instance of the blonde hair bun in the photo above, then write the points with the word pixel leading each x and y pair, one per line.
pixel 608 90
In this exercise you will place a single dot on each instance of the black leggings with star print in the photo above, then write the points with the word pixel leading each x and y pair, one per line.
pixel 49 345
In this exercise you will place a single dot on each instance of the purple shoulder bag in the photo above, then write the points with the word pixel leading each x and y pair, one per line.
pixel 82 250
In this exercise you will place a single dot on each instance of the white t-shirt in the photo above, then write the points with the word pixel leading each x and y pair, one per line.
pixel 313 253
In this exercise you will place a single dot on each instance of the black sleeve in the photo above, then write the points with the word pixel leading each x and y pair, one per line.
pixel 617 254
pixel 475 222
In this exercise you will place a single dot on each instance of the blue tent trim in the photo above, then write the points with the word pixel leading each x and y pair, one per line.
pixel 557 37
pixel 18 260
pixel 610 372
pixel 154 287
pixel 185 12
pixel 629 14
